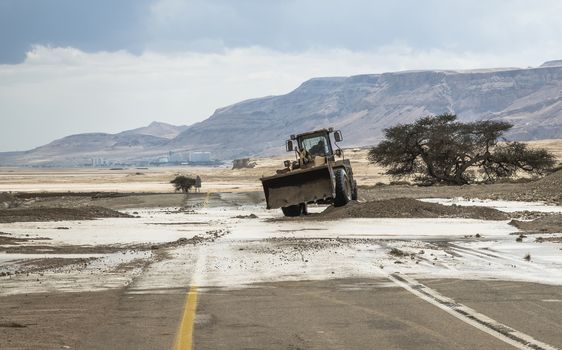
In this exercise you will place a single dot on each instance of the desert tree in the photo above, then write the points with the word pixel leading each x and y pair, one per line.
pixel 183 183
pixel 441 149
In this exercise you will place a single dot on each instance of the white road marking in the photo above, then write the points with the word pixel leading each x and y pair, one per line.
pixel 464 313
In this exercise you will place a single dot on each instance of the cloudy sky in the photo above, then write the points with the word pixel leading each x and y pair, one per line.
pixel 71 66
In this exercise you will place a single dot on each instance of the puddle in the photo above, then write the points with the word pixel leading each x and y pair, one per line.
pixel 146 229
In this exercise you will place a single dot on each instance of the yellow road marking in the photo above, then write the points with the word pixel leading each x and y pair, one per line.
pixel 206 201
pixel 184 337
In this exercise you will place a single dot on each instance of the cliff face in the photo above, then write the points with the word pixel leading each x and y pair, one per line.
pixel 362 106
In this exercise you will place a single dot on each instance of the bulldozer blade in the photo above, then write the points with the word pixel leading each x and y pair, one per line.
pixel 299 186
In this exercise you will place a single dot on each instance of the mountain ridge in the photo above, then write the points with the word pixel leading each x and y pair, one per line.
pixel 361 105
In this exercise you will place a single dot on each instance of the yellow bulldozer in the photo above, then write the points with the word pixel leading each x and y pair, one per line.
pixel 319 174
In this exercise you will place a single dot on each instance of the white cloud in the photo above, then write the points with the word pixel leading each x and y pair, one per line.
pixel 58 91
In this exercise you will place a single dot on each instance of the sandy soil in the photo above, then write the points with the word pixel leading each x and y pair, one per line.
pixel 547 189
pixel 376 201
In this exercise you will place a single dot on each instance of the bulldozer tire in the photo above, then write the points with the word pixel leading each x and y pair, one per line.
pixel 354 192
pixel 343 188
pixel 292 210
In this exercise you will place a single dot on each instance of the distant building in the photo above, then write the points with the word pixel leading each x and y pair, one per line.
pixel 199 157
pixel 98 162
pixel 178 157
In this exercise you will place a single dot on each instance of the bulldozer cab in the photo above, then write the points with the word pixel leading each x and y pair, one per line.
pixel 316 144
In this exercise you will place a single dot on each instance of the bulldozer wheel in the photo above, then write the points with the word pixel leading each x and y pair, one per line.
pixel 292 210
pixel 354 192
pixel 343 188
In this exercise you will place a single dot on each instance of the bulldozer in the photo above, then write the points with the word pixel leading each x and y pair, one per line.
pixel 319 174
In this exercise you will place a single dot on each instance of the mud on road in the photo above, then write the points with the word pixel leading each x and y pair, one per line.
pixel 78 206
pixel 57 214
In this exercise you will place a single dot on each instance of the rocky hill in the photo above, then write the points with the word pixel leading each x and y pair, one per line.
pixel 362 106
pixel 80 149
pixel 159 129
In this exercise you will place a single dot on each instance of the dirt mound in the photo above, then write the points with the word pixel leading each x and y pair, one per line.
pixel 7 200
pixel 553 181
pixel 58 214
pixel 545 224
pixel 549 186
pixel 249 216
pixel 5 197
pixel 10 240
pixel 409 208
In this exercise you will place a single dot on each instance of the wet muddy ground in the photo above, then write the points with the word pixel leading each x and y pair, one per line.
pixel 57 214
pixel 36 244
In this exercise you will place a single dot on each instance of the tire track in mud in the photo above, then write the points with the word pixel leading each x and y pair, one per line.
pixel 497 257
pixel 472 317
pixel 470 251
pixel 389 244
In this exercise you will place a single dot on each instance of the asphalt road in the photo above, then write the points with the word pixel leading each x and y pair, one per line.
pixel 334 314
pixel 331 314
